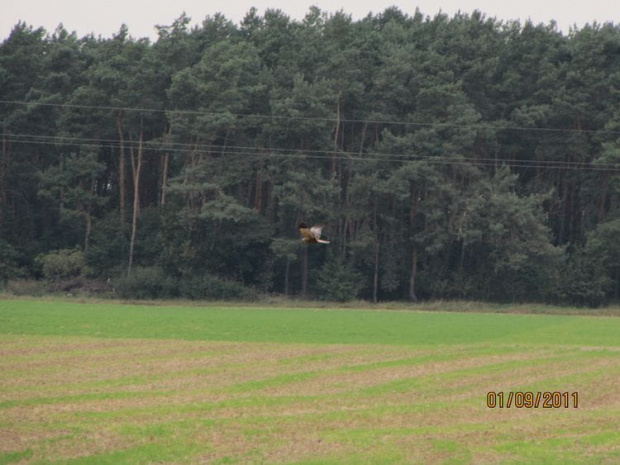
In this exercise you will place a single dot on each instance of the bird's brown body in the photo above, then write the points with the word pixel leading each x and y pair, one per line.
pixel 311 235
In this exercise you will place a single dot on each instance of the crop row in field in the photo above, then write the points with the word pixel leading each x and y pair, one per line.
pixel 124 384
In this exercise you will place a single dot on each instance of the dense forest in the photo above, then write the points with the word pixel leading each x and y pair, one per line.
pixel 448 157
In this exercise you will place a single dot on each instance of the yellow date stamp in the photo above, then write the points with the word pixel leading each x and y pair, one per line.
pixel 530 399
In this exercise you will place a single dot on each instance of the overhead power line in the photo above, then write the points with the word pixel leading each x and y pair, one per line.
pixel 186 147
pixel 312 118
pixel 177 147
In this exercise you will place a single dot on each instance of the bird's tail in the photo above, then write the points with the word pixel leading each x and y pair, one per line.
pixel 321 241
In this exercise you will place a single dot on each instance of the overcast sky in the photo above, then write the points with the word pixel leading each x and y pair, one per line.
pixel 105 18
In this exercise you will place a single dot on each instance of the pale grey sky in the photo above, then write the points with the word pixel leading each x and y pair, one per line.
pixel 105 18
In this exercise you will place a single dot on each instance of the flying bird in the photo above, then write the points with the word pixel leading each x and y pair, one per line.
pixel 310 235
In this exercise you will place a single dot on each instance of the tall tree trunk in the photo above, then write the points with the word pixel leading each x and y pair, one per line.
pixel 164 178
pixel 571 215
pixel 304 273
pixel 336 134
pixel 121 165
pixel 414 256
pixel 3 170
pixel 271 201
pixel 562 210
pixel 362 138
pixel 136 166
pixel 375 281
pixel 286 276
pixel 165 164
pixel 414 273
pixel 258 191
pixel 62 187
pixel 603 199
pixel 89 217
pixel 225 145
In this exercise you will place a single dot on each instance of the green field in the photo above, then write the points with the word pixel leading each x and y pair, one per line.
pixel 111 383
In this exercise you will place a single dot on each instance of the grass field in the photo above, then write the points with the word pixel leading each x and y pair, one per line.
pixel 111 383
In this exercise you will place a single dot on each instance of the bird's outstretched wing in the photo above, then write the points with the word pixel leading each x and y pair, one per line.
pixel 316 231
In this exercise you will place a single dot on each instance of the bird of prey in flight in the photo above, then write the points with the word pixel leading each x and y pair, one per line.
pixel 310 235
